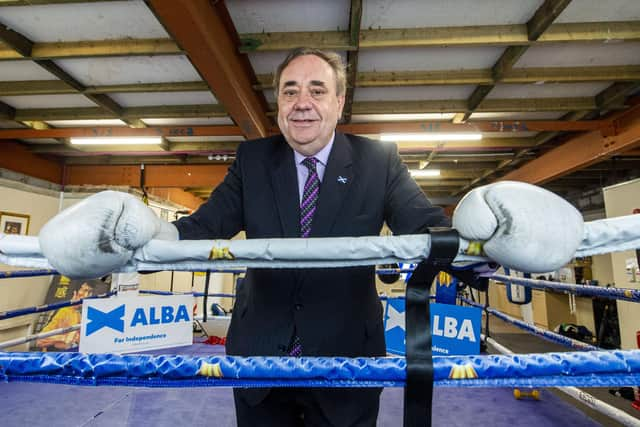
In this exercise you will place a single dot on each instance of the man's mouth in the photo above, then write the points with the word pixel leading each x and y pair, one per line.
pixel 302 122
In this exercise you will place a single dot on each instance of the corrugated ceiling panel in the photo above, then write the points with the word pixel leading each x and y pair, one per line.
pixel 163 98
pixel 255 16
pixel 547 90
pixel 600 11
pixel 523 115
pixel 85 123
pixel 582 55
pixel 126 70
pixel 23 70
pixel 444 13
pixel 428 58
pixel 364 118
pixel 47 101
pixel 84 21
pixel 189 121
pixel 412 93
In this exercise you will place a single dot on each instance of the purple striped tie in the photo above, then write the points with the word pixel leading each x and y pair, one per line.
pixel 309 196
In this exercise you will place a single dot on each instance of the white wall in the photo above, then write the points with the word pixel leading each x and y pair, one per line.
pixel 42 202
pixel 29 291
pixel 621 200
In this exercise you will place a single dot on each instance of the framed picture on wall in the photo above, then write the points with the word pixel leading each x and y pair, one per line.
pixel 14 223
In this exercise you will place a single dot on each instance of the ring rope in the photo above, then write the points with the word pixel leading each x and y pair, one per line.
pixel 26 273
pixel 579 395
pixel 543 333
pixel 596 368
pixel 602 236
pixel 28 338
pixel 48 307
pixel 624 294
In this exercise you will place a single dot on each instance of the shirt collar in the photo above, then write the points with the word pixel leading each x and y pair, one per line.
pixel 322 155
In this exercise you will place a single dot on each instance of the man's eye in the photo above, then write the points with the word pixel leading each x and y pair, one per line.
pixel 317 92
pixel 289 93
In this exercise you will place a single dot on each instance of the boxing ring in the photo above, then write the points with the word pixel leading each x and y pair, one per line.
pixel 475 373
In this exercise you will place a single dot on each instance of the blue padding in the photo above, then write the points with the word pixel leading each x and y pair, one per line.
pixel 548 335
pixel 26 273
pixel 574 288
pixel 47 307
pixel 87 368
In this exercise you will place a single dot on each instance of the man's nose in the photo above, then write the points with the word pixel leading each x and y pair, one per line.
pixel 304 101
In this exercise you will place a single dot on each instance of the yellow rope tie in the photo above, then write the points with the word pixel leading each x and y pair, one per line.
pixel 210 370
pixel 461 372
pixel 220 253
pixel 474 249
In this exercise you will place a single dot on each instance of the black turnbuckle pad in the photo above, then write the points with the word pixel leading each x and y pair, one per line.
pixel 418 392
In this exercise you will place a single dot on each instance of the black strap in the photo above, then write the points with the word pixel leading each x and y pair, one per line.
pixel 418 392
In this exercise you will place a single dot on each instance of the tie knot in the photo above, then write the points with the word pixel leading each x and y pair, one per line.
pixel 310 163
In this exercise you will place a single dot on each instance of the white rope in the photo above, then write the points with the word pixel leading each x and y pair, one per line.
pixel 587 399
pixel 610 235
pixel 34 337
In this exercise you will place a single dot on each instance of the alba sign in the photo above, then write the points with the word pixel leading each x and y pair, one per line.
pixel 126 324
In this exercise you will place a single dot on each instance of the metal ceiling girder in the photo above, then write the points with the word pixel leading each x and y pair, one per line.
pixel 201 29
pixel 222 130
pixel 579 152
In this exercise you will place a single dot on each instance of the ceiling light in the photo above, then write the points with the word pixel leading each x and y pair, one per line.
pixel 146 140
pixel 424 173
pixel 420 137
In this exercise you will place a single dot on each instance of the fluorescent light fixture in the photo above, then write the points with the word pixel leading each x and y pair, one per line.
pixel 432 136
pixel 424 173
pixel 145 140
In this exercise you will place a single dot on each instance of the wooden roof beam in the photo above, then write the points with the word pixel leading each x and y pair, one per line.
pixel 355 17
pixel 93 49
pixel 536 26
pixel 485 35
pixel 204 30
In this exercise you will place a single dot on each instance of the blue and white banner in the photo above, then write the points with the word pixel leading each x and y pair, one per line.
pixel 455 329
pixel 121 325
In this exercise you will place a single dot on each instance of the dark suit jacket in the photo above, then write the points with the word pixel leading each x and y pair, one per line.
pixel 335 312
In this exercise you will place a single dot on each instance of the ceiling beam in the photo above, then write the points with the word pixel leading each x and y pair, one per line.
pixel 505 126
pixel 579 152
pixel 42 2
pixel 166 131
pixel 536 26
pixel 485 35
pixel 54 87
pixel 171 176
pixel 355 17
pixel 89 113
pixel 204 30
pixel 483 76
pixel 93 49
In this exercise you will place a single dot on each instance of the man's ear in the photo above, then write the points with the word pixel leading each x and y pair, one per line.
pixel 341 99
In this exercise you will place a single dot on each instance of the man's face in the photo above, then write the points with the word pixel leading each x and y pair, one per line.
pixel 308 107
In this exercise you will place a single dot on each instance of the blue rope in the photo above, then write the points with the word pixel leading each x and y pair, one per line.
pixel 48 307
pixel 26 273
pixel 632 295
pixel 548 335
pixel 597 368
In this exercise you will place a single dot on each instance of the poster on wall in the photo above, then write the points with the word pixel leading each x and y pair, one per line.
pixel 14 223
pixel 64 289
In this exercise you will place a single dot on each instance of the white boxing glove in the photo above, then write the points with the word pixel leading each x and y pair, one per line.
pixel 523 226
pixel 100 234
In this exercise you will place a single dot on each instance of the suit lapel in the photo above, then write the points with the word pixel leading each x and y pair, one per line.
pixel 284 180
pixel 336 183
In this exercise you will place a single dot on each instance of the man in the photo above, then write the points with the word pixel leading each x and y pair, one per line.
pixel 63 318
pixel 311 181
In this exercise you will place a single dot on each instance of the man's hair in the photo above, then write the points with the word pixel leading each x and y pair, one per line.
pixel 332 58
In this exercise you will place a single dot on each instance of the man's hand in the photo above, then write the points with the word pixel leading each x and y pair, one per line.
pixel 100 234
pixel 523 227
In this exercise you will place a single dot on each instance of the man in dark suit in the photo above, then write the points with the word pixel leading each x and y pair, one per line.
pixel 313 312
pixel 313 181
